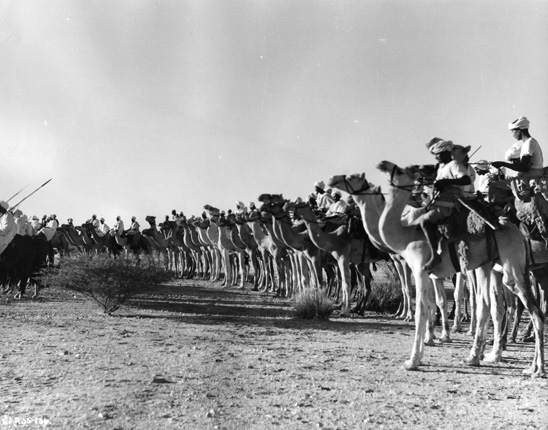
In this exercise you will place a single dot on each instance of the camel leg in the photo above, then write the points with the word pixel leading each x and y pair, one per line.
pixel 441 301
pixel 459 287
pixel 472 285
pixel 496 299
pixel 344 267
pixel 422 311
pixel 408 304
pixel 242 270
pixel 483 276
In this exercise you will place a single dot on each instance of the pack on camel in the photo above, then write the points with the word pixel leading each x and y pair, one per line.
pixel 504 245
pixel 347 249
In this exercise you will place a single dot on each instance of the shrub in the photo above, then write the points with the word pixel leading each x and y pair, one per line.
pixel 109 282
pixel 313 303
pixel 386 294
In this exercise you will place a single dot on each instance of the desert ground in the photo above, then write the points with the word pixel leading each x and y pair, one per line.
pixel 192 355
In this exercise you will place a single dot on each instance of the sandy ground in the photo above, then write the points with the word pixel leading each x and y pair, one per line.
pixel 195 356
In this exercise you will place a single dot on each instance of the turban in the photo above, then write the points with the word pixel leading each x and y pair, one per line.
pixel 298 200
pixel 337 193
pixel 319 184
pixel 482 165
pixel 4 205
pixel 312 196
pixel 17 213
pixel 239 204
pixel 440 146
pixel 522 123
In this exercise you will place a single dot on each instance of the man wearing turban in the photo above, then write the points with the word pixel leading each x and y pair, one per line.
pixel 524 157
pixel 451 177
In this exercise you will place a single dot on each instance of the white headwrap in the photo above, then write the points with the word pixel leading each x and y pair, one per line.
pixel 522 123
pixel 4 205
pixel 319 184
pixel 441 146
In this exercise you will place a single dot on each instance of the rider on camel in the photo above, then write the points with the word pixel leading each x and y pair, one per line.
pixel 451 177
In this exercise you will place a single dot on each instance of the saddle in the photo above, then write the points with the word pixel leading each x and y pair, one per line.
pixel 464 224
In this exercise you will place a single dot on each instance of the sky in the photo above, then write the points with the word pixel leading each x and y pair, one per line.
pixel 139 107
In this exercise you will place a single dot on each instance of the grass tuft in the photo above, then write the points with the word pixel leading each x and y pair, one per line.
pixel 313 304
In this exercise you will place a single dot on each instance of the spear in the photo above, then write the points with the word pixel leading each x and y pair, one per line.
pixel 41 186
pixel 18 192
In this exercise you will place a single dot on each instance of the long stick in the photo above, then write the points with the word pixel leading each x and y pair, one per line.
pixel 18 192
pixel 479 147
pixel 476 212
pixel 41 186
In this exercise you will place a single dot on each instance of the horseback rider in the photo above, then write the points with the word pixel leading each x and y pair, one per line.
pixel 524 157
pixel 451 177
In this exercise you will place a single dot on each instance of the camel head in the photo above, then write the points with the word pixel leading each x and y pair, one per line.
pixel 264 198
pixel 353 184
pixel 399 177
pixel 151 220
pixel 212 211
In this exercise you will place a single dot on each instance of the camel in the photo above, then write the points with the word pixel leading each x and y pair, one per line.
pixel 88 241
pixel 246 237
pixel 274 258
pixel 297 238
pixel 136 244
pixel 106 241
pixel 73 237
pixel 211 249
pixel 507 246
pixel 229 247
pixel 345 248
pixel 156 240
pixel 371 203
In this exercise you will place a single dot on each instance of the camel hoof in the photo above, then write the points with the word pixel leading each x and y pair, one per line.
pixel 446 339
pixel 410 365
pixel 456 329
pixel 472 361
pixel 469 333
pixel 528 339
pixel 492 357
pixel 408 319
pixel 429 342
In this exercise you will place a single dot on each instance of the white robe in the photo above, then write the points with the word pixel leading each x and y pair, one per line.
pixel 8 230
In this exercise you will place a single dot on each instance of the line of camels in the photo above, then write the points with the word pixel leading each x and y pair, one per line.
pixel 282 256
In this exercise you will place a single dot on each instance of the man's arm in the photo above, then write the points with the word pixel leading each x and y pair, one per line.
pixel 522 164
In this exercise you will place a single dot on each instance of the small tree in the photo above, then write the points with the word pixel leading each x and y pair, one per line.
pixel 313 304
pixel 109 282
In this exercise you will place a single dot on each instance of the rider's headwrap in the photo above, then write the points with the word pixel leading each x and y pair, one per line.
pixel 437 145
pixel 522 123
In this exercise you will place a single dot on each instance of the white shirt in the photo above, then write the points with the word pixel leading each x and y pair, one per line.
pixel 8 230
pixel 337 208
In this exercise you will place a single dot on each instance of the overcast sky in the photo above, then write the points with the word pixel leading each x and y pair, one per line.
pixel 140 107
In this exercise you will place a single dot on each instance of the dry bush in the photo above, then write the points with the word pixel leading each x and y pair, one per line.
pixel 386 294
pixel 109 282
pixel 313 304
